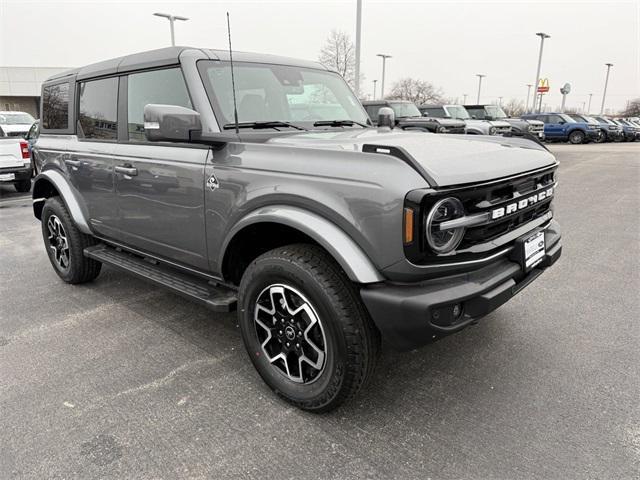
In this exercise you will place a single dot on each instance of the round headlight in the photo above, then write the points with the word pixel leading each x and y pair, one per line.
pixel 492 131
pixel 444 241
pixel 530 128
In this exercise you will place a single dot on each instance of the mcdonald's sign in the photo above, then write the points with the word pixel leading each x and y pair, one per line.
pixel 543 86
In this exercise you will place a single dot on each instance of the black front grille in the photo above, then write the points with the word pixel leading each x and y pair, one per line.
pixel 478 200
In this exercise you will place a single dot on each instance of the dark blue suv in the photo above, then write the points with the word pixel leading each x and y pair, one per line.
pixel 559 126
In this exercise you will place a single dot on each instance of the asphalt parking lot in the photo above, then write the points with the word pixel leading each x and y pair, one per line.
pixel 118 379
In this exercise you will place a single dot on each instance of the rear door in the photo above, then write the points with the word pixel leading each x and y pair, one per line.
pixel 159 186
pixel 89 159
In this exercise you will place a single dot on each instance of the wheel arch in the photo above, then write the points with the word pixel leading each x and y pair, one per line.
pixel 281 225
pixel 52 183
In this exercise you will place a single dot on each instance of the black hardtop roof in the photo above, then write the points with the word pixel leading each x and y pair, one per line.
pixel 171 56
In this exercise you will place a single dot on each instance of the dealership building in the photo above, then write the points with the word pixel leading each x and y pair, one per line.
pixel 20 87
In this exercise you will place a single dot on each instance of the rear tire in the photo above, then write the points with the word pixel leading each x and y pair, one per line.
pixel 65 244
pixel 576 137
pixel 23 186
pixel 305 327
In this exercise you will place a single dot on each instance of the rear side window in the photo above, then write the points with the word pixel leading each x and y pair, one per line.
pixel 97 113
pixel 372 111
pixel 166 87
pixel 55 106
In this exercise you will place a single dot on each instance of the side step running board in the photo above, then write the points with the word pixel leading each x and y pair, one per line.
pixel 216 297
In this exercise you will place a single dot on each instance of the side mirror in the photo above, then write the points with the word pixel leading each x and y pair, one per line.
pixel 474 117
pixel 386 117
pixel 561 122
pixel 170 123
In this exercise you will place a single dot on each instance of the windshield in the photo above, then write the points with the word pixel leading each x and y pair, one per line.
pixel 458 111
pixel 492 111
pixel 405 110
pixel 279 93
pixel 16 119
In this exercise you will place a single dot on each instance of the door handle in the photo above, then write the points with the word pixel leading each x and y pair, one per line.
pixel 72 163
pixel 125 170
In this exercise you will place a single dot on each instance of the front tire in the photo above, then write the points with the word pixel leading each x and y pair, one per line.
pixel 576 137
pixel 305 327
pixel 65 244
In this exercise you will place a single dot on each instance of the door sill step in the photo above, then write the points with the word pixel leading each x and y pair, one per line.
pixel 218 298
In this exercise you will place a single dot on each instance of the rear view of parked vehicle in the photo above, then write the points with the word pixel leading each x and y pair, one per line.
pixel 561 127
pixel 15 163
pixel 15 124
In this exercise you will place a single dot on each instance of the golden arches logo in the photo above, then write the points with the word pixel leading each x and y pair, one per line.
pixel 543 86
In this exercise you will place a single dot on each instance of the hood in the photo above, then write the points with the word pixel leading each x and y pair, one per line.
pixel 451 122
pixel 443 160
pixel 499 123
pixel 15 128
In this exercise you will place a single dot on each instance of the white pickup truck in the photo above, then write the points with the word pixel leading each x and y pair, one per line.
pixel 15 163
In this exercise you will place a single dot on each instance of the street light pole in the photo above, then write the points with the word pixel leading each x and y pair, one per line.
pixel 480 77
pixel 500 101
pixel 464 99
pixel 374 89
pixel 606 82
pixel 384 64
pixel 526 108
pixel 589 108
pixel 171 19
pixel 358 31
pixel 542 36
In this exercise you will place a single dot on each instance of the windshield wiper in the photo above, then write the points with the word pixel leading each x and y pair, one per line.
pixel 267 124
pixel 339 123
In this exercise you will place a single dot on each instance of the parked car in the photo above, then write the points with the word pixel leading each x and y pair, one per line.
pixel 580 118
pixel 519 126
pixel 560 126
pixel 15 163
pixel 612 132
pixel 326 234
pixel 630 132
pixel 31 137
pixel 473 126
pixel 15 124
pixel 408 117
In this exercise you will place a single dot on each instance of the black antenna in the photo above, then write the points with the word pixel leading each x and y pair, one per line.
pixel 233 80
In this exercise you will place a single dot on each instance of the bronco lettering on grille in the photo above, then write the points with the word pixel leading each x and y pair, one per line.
pixel 521 204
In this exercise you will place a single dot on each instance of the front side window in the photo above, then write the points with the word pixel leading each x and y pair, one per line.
pixel 55 106
pixel 97 113
pixel 166 87
pixel 284 93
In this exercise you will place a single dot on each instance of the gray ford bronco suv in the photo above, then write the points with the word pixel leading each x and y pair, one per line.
pixel 325 233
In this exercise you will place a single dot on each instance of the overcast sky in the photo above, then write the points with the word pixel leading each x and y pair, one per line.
pixel 445 42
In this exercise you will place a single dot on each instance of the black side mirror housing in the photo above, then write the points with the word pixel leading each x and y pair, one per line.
pixel 386 117
pixel 170 123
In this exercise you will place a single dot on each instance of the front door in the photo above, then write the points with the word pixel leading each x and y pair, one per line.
pixel 159 186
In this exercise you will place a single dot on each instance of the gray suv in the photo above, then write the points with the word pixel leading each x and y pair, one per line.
pixel 262 188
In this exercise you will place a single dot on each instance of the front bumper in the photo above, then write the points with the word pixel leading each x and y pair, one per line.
pixel 18 173
pixel 412 315
pixel 593 134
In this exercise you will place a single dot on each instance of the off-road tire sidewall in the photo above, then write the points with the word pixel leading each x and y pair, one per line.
pixel 81 269
pixel 328 390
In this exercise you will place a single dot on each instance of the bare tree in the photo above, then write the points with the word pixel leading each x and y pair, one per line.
pixel 632 109
pixel 415 90
pixel 513 108
pixel 338 53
